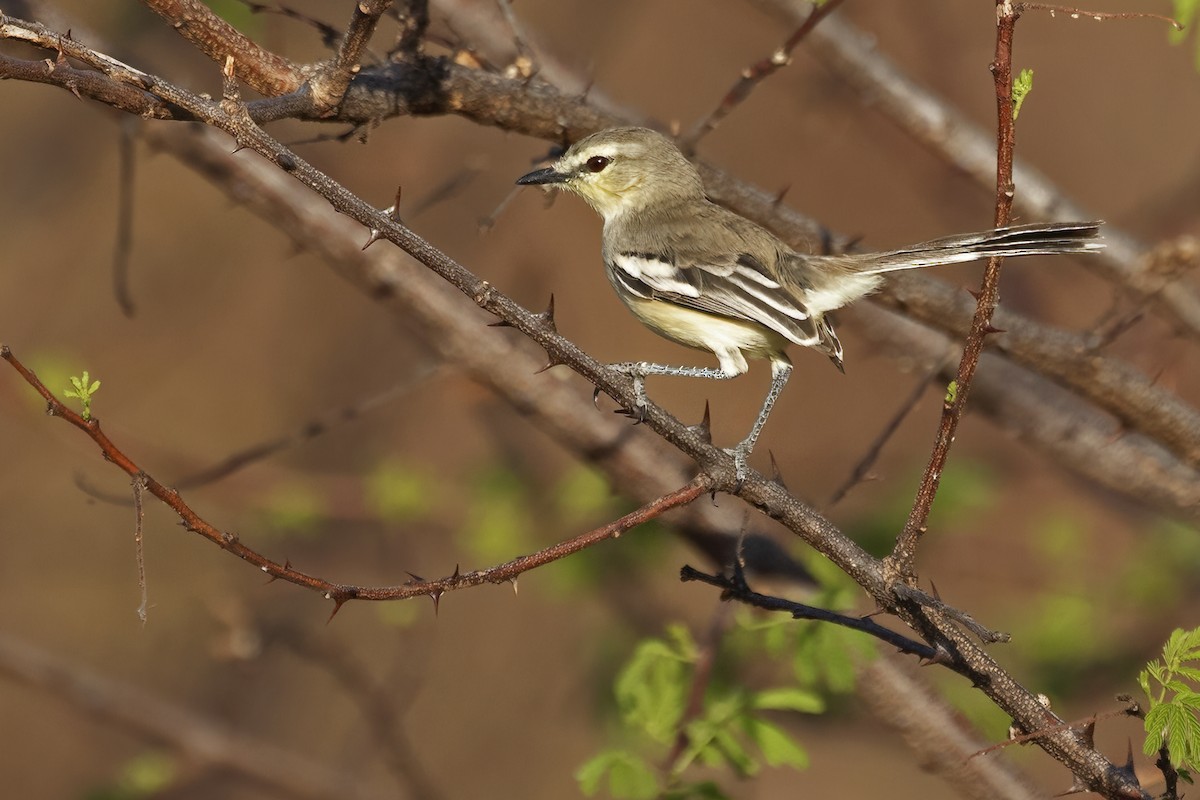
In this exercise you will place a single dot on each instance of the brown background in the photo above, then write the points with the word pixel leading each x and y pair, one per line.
pixel 237 338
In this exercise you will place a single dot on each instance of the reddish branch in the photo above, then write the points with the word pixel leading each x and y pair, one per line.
pixel 341 593
pixel 901 561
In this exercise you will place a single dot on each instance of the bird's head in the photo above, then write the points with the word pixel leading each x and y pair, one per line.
pixel 620 170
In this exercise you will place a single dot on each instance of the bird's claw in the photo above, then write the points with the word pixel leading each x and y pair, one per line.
pixel 741 468
pixel 637 372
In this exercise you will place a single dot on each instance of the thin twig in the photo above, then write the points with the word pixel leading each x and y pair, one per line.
pixel 380 705
pixel 702 673
pixel 328 33
pixel 1068 358
pixel 753 75
pixel 737 590
pixel 863 468
pixel 1025 738
pixel 1097 16
pixel 122 250
pixel 524 64
pixel 901 561
pixel 139 516
pixel 341 593
pixel 256 453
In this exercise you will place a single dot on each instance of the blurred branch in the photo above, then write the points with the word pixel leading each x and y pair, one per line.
pixel 197 738
pixel 852 56
pixel 255 453
pixel 755 74
pixel 862 469
pixel 122 250
pixel 1051 419
pixel 378 703
pixel 1068 358
pixel 937 732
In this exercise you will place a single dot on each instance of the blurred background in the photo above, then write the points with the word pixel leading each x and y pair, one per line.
pixel 238 339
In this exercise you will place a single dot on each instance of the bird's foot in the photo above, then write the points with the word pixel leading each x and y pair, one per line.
pixel 741 455
pixel 636 370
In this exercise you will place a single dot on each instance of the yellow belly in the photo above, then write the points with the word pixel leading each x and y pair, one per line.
pixel 727 338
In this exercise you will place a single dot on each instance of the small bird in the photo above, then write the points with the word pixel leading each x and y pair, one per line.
pixel 705 277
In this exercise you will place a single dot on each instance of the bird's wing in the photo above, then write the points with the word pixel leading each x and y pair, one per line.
pixel 735 285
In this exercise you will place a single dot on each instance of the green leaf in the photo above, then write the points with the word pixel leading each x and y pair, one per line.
pixel 726 745
pixel 629 776
pixel 1183 734
pixel 1187 12
pixel 582 493
pixel 777 747
pixel 397 493
pixel 652 689
pixel 499 518
pixel 1022 86
pixel 293 508
pixel 1155 724
pixel 789 699
pixel 951 393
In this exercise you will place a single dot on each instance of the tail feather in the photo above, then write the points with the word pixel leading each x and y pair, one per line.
pixel 1017 240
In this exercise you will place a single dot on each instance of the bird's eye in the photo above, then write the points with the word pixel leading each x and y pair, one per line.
pixel 597 163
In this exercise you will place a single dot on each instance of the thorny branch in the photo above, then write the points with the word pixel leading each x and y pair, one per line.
pixel 341 593
pixel 770 497
pixel 903 557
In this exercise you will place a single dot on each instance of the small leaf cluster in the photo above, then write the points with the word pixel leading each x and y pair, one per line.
pixel 1170 684
pixel 1022 86
pixel 729 731
pixel 83 389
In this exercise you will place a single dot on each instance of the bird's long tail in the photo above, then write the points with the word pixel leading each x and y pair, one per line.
pixel 1018 240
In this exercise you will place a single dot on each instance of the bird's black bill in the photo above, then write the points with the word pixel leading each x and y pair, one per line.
pixel 541 176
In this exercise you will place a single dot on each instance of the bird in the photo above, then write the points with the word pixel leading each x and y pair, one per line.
pixel 708 278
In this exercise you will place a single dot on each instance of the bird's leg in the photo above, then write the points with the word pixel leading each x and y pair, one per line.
pixel 638 370
pixel 780 372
